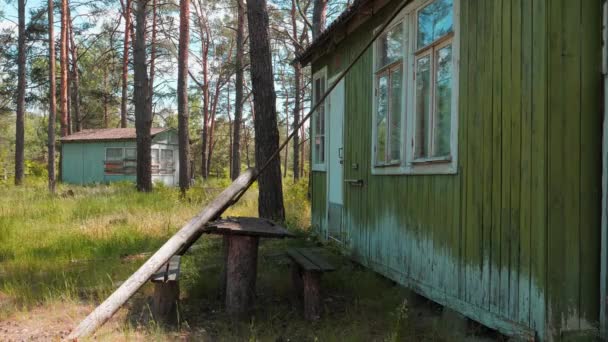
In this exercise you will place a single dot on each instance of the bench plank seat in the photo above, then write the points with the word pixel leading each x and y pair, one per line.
pixel 306 275
pixel 309 260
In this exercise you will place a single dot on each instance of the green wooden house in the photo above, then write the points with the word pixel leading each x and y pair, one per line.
pixel 461 156
pixel 109 155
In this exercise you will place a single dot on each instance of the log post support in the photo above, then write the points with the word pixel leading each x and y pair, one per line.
pixel 311 282
pixel 164 302
pixel 241 270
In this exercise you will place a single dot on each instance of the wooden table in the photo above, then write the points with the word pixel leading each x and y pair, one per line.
pixel 241 239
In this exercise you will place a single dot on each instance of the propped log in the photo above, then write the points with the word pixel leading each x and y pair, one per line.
pixel 180 242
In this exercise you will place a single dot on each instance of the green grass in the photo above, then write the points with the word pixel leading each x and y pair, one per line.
pixel 76 248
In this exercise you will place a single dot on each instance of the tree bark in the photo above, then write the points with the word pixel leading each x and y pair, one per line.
pixel 182 95
pixel 143 113
pixel 238 106
pixel 204 137
pixel 213 112
pixel 63 61
pixel 75 94
pixel 270 199
pixel 153 53
pixel 52 101
pixel 105 98
pixel 319 13
pixel 241 270
pixel 286 160
pixel 20 120
pixel 125 65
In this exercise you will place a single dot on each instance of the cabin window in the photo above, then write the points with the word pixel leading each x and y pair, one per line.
pixel 114 154
pixel 388 97
pixel 166 161
pixel 130 161
pixel 319 120
pixel 155 161
pixel 415 91
pixel 113 164
pixel 433 84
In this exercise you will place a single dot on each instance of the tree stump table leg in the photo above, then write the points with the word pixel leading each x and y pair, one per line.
pixel 241 270
pixel 164 303
pixel 296 278
pixel 312 295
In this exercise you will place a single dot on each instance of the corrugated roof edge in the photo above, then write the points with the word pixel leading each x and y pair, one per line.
pixel 110 134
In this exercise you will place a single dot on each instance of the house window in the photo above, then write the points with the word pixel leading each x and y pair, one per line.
pixel 114 154
pixel 155 161
pixel 113 164
pixel 166 161
pixel 433 85
pixel 318 121
pixel 388 96
pixel 130 161
pixel 415 76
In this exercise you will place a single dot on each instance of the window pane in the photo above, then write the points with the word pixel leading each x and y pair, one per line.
pixel 423 104
pixel 114 154
pixel 442 123
pixel 381 119
pixel 390 46
pixel 396 94
pixel 167 155
pixel 435 21
pixel 319 149
pixel 130 153
pixel 155 157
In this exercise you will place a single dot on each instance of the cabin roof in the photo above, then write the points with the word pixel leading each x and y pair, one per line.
pixel 108 134
pixel 325 37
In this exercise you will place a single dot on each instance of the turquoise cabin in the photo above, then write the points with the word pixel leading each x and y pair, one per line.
pixel 109 155
pixel 463 155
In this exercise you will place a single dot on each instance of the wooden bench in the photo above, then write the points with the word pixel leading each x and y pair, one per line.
pixel 308 267
pixel 166 291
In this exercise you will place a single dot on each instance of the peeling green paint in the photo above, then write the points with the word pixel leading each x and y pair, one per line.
pixel 511 240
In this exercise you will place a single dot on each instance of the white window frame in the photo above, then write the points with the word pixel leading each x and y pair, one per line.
pixel 409 164
pixel 390 167
pixel 319 166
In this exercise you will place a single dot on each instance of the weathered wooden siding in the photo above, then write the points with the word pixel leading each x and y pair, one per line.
pixel 319 201
pixel 512 239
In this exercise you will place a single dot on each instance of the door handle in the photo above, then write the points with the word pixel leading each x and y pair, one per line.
pixel 341 153
pixel 354 182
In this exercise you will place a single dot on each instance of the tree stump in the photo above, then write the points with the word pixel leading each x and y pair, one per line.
pixel 241 270
pixel 164 303
pixel 311 282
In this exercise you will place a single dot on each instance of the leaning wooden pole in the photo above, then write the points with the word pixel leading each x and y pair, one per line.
pixel 182 238
pixel 186 236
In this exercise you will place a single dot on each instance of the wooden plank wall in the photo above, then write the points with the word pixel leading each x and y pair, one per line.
pixel 512 240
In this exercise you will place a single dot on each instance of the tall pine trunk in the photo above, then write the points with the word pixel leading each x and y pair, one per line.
pixel 52 101
pixel 204 135
pixel 235 169
pixel 125 65
pixel 75 94
pixel 270 199
pixel 319 14
pixel 153 53
pixel 20 120
pixel 182 95
pixel 63 61
pixel 297 96
pixel 143 113
pixel 105 98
